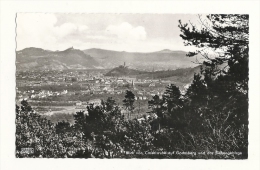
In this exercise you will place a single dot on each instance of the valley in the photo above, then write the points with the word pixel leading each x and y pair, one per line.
pixel 63 82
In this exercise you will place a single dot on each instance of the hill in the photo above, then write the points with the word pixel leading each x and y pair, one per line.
pixel 124 71
pixel 182 75
pixel 40 59
pixel 160 60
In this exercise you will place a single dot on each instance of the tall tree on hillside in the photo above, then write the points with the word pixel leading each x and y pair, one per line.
pixel 80 122
pixel 156 104
pixel 128 102
pixel 228 37
pixel 195 99
pixel 172 96
pixel 174 104
pixel 223 40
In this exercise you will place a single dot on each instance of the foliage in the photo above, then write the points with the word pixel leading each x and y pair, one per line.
pixel 217 100
pixel 34 131
pixel 62 127
pixel 128 102
pixel 228 37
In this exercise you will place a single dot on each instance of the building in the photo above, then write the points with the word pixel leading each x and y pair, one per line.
pixel 152 85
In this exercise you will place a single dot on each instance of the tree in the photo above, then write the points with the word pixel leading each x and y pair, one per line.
pixel 105 124
pixel 169 108
pixel 128 102
pixel 172 96
pixel 227 36
pixel 25 106
pixel 196 99
pixel 33 131
pixel 156 104
pixel 63 127
pixel 81 125
pixel 110 104
pixel 223 88
pixel 174 104
pixel 38 133
pixel 196 93
pixel 137 137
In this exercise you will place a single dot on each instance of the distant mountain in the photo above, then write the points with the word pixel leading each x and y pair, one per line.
pixel 160 60
pixel 166 51
pixel 124 71
pixel 181 76
pixel 40 59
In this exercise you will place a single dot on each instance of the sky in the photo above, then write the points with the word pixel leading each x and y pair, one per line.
pixel 119 32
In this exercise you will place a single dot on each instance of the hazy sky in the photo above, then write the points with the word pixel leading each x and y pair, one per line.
pixel 120 32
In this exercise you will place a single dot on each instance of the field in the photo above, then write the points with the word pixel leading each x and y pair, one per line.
pixel 65 113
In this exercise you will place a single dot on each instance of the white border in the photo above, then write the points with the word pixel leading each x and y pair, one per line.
pixel 7 80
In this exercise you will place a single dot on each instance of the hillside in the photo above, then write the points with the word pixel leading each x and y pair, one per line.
pixel 160 60
pixel 40 59
pixel 183 75
pixel 124 71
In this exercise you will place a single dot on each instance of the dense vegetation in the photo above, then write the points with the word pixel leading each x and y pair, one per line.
pixel 209 121
pixel 183 75
pixel 181 72
pixel 124 71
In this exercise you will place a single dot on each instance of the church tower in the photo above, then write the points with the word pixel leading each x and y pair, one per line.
pixel 133 84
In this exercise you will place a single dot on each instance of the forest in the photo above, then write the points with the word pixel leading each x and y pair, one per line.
pixel 209 121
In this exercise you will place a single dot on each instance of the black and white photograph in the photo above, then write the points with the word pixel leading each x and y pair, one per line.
pixel 132 86
pixel 129 85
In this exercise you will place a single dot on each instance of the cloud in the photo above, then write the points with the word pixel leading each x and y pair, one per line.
pixel 50 32
pixel 126 31
pixel 39 30
pixel 64 29
pixel 82 28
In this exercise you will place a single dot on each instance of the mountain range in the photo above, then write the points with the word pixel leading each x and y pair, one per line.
pixel 40 59
pixel 159 60
pixel 181 75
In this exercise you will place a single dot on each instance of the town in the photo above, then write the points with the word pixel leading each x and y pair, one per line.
pixel 72 90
